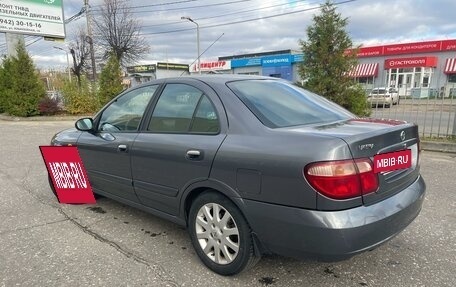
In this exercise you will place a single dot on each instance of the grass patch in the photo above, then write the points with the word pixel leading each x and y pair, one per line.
pixel 447 139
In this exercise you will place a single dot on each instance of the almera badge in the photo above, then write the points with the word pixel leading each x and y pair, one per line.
pixel 68 175
pixel 393 160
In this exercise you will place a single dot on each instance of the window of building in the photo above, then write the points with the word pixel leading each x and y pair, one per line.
pixel 451 78
pixel 408 78
pixel 365 80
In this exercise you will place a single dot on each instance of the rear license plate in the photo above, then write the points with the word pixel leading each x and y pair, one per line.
pixel 393 160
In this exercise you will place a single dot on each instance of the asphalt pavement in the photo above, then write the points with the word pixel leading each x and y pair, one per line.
pixel 44 243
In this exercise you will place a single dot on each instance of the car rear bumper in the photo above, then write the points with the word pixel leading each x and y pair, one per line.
pixel 333 235
pixel 380 101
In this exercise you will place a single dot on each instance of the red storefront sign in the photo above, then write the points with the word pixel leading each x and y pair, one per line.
pixel 410 62
pixel 212 66
pixel 407 48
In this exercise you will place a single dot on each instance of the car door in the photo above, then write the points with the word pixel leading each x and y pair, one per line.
pixel 106 151
pixel 178 144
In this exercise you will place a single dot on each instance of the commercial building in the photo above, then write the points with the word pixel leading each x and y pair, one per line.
pixel 279 64
pixel 144 73
pixel 418 69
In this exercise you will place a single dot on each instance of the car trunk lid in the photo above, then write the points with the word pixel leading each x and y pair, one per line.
pixel 367 138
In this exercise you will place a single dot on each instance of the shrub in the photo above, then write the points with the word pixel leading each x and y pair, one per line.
pixel 48 106
pixel 80 99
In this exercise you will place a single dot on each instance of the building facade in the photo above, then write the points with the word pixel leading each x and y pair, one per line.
pixel 418 69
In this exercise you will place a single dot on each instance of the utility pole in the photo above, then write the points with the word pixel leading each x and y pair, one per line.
pixel 12 40
pixel 89 39
pixel 197 41
pixel 68 62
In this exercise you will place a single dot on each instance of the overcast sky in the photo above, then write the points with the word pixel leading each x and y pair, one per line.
pixel 256 26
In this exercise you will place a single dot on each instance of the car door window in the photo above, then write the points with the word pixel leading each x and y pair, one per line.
pixel 125 113
pixel 205 119
pixel 183 109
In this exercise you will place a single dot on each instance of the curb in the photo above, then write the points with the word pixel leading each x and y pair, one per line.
pixel 438 146
pixel 41 118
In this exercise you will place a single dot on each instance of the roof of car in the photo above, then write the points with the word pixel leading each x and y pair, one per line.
pixel 216 78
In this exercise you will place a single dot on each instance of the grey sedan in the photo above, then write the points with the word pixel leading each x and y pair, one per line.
pixel 253 165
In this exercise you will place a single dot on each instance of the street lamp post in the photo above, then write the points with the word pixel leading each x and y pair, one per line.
pixel 197 40
pixel 68 62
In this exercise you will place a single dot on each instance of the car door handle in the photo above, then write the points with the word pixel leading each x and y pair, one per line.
pixel 193 154
pixel 122 147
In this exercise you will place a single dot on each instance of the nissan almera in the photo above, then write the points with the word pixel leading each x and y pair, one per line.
pixel 253 165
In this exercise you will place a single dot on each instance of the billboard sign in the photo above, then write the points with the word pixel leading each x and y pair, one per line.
pixel 142 69
pixel 32 17
pixel 172 66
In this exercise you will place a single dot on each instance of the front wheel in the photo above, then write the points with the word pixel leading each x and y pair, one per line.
pixel 220 234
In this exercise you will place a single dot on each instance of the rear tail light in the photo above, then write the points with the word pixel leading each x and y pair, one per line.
pixel 342 179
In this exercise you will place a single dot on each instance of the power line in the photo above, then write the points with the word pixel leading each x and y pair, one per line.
pixel 179 8
pixel 242 21
pixel 151 5
pixel 237 12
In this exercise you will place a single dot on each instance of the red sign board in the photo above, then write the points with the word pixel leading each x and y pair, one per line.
pixel 68 175
pixel 392 161
pixel 407 48
pixel 411 62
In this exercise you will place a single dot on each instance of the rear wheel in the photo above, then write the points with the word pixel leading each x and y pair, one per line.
pixel 220 234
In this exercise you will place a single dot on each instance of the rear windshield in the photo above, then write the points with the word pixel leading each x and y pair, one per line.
pixel 379 92
pixel 280 104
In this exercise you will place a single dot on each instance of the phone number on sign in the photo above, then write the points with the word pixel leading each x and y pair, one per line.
pixel 20 23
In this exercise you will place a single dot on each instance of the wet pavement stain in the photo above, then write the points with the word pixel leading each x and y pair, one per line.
pixel 267 281
pixel 96 209
pixel 330 271
pixel 126 222
pixel 393 263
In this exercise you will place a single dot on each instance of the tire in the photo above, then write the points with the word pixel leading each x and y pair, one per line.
pixel 224 242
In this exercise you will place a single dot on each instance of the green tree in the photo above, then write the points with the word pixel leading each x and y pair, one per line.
pixel 6 83
pixel 326 61
pixel 110 80
pixel 21 88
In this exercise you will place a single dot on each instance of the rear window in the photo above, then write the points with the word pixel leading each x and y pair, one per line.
pixel 379 92
pixel 280 104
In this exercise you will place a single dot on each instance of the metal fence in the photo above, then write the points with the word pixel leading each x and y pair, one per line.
pixel 434 111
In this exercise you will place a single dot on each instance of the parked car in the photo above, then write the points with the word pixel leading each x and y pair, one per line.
pixel 383 97
pixel 253 165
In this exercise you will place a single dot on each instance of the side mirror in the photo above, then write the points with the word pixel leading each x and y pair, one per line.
pixel 84 124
